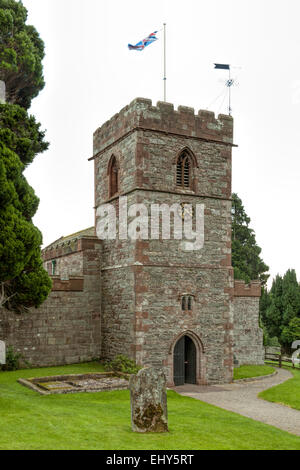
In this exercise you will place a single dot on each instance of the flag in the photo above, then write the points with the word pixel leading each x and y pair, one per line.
pixel 222 66
pixel 140 46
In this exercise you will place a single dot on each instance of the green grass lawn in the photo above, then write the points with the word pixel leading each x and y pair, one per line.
pixel 248 371
pixel 287 393
pixel 102 421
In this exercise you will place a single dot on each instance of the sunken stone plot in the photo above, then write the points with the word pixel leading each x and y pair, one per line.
pixel 148 401
pixel 94 382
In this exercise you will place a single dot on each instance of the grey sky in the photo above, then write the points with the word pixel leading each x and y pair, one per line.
pixel 90 75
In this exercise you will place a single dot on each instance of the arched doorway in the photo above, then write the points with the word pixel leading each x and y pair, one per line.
pixel 184 361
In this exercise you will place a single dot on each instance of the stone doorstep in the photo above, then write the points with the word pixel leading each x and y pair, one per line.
pixel 215 387
pixel 63 384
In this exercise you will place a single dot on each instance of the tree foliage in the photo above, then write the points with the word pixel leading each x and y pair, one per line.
pixel 280 313
pixel 23 280
pixel 246 259
pixel 21 54
pixel 291 332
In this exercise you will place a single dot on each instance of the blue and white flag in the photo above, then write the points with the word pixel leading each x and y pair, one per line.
pixel 140 46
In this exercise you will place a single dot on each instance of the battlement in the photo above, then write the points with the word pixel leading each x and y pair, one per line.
pixel 241 289
pixel 141 114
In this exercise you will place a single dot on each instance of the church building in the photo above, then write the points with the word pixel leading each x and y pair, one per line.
pixel 154 300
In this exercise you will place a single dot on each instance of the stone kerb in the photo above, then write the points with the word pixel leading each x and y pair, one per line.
pixel 148 401
pixel 140 114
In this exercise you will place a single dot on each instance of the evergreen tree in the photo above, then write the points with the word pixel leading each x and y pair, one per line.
pixel 283 313
pixel 264 304
pixel 23 281
pixel 246 259
pixel 21 54
pixel 291 332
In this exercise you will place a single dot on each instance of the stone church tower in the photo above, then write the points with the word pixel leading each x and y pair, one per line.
pixel 162 304
pixel 153 300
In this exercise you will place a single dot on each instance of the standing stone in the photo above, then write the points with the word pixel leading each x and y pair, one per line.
pixel 2 353
pixel 149 401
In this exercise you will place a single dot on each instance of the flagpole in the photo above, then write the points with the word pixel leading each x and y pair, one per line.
pixel 165 65
pixel 229 110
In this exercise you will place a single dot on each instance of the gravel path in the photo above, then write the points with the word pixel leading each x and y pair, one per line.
pixel 242 398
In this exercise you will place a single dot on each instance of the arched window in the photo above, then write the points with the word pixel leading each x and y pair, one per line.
pixel 183 170
pixel 113 172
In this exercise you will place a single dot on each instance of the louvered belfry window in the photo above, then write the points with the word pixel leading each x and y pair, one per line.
pixel 183 171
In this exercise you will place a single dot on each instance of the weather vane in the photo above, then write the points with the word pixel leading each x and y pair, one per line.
pixel 229 83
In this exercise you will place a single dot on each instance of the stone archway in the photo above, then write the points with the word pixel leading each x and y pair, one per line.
pixel 186 360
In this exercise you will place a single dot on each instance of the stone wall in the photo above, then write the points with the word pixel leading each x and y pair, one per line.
pixel 65 266
pixel 248 337
pixel 66 329
pixel 160 320
pixel 140 114
pixel 125 296
pixel 143 280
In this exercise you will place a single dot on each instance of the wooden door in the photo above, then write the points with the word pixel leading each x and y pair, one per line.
pixel 189 361
pixel 179 372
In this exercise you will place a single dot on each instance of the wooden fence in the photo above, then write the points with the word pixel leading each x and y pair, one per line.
pixel 278 358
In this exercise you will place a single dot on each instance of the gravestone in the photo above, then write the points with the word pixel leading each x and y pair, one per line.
pixel 2 353
pixel 2 92
pixel 148 401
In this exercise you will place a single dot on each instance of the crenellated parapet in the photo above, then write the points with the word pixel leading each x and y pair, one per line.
pixel 241 289
pixel 64 248
pixel 163 118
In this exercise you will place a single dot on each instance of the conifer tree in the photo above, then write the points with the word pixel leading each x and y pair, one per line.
pixel 283 313
pixel 21 54
pixel 246 259
pixel 23 281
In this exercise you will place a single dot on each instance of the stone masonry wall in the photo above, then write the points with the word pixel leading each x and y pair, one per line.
pixel 143 280
pixel 67 327
pixel 160 320
pixel 248 337
pixel 68 265
pixel 140 114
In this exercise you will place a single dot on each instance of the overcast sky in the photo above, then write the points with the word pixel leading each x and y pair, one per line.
pixel 90 75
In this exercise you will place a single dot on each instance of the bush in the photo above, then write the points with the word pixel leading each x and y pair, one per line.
pixel 123 364
pixel 12 360
pixel 268 341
